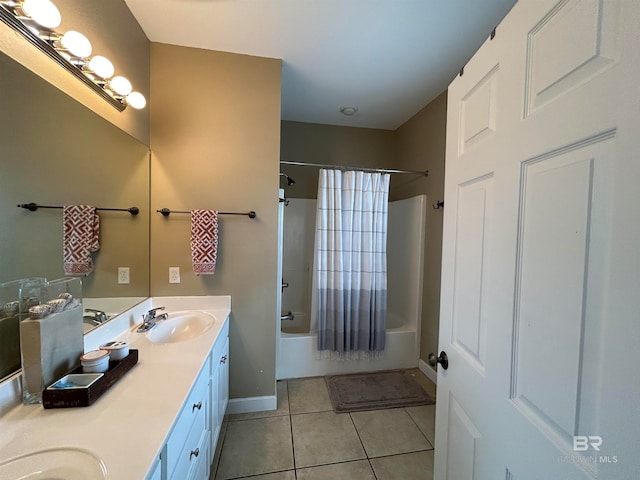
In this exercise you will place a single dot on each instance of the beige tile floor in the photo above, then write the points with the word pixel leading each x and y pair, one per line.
pixel 305 440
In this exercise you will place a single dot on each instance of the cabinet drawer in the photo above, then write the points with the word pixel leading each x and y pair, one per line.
pixel 193 416
pixel 193 451
pixel 200 470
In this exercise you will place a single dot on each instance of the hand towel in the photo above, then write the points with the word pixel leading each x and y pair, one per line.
pixel 81 229
pixel 204 241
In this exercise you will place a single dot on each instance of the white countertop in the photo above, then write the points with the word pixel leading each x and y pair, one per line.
pixel 127 427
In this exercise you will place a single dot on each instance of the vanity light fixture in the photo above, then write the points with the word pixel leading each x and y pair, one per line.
pixel 36 21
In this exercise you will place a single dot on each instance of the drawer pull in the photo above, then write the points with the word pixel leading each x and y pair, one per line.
pixel 196 405
pixel 194 453
pixel 223 359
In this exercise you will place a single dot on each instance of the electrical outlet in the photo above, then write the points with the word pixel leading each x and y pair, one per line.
pixel 123 274
pixel 174 274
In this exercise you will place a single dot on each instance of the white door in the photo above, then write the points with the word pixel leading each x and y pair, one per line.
pixel 540 314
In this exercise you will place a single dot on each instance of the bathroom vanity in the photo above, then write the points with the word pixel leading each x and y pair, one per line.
pixel 160 421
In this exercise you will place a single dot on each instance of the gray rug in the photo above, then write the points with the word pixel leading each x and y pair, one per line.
pixel 375 391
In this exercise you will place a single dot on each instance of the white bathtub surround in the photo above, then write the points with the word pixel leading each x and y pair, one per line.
pixel 297 353
pixel 299 356
pixel 405 260
pixel 143 404
pixel 297 262
pixel 351 262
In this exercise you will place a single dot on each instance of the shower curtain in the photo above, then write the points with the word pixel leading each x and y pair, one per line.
pixel 351 264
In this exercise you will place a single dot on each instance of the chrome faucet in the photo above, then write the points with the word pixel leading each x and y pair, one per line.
pixel 150 319
pixel 97 318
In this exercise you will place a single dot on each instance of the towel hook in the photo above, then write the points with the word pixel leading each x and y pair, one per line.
pixel 438 205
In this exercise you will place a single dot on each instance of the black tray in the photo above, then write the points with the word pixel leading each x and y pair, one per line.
pixel 83 397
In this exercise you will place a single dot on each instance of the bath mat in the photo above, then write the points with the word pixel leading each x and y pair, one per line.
pixel 375 391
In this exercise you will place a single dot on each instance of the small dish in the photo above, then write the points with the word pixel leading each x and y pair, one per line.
pixel 75 380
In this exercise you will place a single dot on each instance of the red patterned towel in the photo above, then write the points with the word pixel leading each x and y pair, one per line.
pixel 204 241
pixel 81 229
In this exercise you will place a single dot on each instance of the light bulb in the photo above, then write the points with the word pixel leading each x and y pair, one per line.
pixel 77 44
pixel 136 100
pixel 43 12
pixel 102 67
pixel 121 86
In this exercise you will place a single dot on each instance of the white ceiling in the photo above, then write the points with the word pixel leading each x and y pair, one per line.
pixel 389 58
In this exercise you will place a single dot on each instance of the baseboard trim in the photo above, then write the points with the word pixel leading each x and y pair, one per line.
pixel 252 404
pixel 428 371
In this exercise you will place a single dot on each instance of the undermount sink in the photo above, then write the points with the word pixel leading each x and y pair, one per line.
pixel 181 326
pixel 54 463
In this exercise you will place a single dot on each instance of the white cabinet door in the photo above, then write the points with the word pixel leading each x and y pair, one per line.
pixel 223 382
pixel 541 262
pixel 200 469
pixel 214 424
pixel 219 387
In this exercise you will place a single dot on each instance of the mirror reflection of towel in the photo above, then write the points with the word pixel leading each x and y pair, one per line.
pixel 204 241
pixel 81 230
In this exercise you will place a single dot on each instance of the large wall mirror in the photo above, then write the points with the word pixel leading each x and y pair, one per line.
pixel 54 151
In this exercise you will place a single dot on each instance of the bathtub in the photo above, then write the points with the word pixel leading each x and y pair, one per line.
pixel 298 355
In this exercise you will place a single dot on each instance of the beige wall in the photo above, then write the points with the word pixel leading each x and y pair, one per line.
pixel 215 133
pixel 330 144
pixel 421 145
pixel 115 34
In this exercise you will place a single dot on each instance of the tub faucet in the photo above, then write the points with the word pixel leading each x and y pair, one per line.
pixel 150 319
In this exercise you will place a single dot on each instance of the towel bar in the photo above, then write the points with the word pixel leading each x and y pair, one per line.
pixel 166 212
pixel 32 207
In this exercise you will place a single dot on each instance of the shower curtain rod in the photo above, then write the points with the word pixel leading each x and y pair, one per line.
pixel 359 169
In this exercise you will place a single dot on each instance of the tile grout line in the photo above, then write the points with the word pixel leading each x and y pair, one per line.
pixel 420 429
pixel 293 448
pixel 363 447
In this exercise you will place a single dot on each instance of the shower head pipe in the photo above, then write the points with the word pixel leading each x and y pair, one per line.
pixel 290 181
